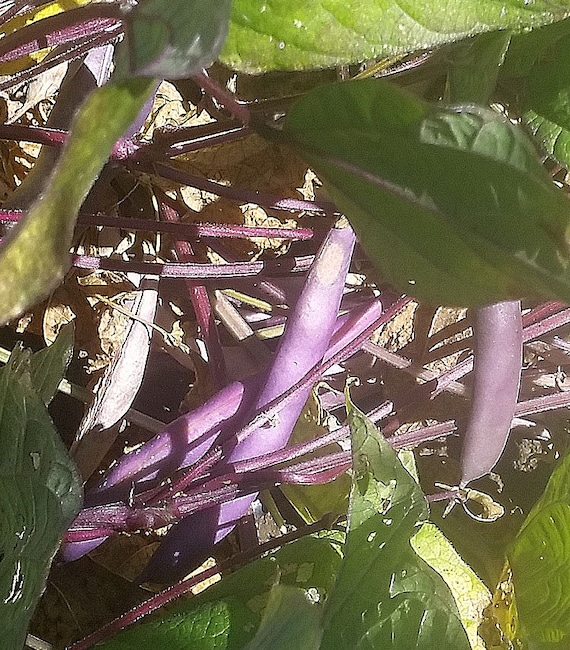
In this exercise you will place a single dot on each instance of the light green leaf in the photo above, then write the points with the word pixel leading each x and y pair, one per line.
pixel 227 615
pixel 172 38
pixel 555 139
pixel 40 493
pixel 385 596
pixel 470 594
pixel 540 562
pixel 451 204
pixel 301 34
pixel 35 255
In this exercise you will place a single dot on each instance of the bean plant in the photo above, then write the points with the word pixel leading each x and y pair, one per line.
pixel 388 388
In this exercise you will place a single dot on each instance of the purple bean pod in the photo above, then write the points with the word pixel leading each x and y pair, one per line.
pixel 302 346
pixel 182 443
pixel 498 352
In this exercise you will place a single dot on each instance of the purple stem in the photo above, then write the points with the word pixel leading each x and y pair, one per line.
pixel 243 477
pixel 197 271
pixel 237 109
pixel 63 53
pixel 540 321
pixel 244 196
pixel 179 229
pixel 61 28
pixel 200 302
pixel 196 432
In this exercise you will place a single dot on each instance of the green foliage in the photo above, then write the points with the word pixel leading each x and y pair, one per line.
pixel 469 592
pixel 475 66
pixel 385 595
pixel 547 100
pixel 40 490
pixel 539 560
pixel 452 205
pixel 172 39
pixel 304 34
pixel 228 615
pixel 289 620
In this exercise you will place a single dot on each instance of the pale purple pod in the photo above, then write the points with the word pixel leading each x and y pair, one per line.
pixel 302 346
pixel 181 444
pixel 498 353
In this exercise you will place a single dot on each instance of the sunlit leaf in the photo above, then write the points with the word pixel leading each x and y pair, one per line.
pixel 48 366
pixel 301 34
pixel 451 204
pixel 469 592
pixel 385 595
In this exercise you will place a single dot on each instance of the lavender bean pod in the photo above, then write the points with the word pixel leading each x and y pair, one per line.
pixel 302 346
pixel 498 353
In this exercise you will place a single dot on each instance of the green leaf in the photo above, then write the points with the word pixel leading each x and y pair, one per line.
pixel 548 91
pixel 313 502
pixel 547 101
pixel 540 562
pixel 475 65
pixel 470 594
pixel 40 493
pixel 451 204
pixel 48 365
pixel 289 620
pixel 385 596
pixel 303 34
pixel 227 615
pixel 35 255
pixel 526 48
pixel 555 139
pixel 172 38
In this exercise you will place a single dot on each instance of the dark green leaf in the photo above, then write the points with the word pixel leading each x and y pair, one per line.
pixel 172 38
pixel 526 48
pixel 227 615
pixel 301 34
pixel 385 596
pixel 451 204
pixel 40 493
pixel 549 85
pixel 475 65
